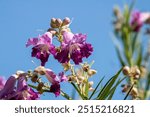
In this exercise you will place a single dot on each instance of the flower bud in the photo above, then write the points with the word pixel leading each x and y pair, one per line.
pixel 91 72
pixel 40 86
pixel 58 22
pixel 53 20
pixel 126 70
pixel 137 72
pixel 81 78
pixel 53 23
pixel 143 71
pixel 66 21
pixel 91 89
pixel 19 72
pixel 136 76
pixel 125 88
pixel 40 70
pixel 91 84
pixel 65 30
pixel 134 92
pixel 72 78
pixel 52 31
pixel 86 67
pixel 66 66
pixel 34 77
pixel 117 12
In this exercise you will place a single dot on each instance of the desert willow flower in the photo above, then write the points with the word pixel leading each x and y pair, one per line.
pixel 16 88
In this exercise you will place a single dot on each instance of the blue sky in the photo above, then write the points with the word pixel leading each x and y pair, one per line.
pixel 21 19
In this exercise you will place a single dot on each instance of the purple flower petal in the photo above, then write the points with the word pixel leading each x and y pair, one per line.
pixel 2 82
pixel 32 41
pixel 24 92
pixel 138 19
pixel 9 88
pixel 55 88
pixel 52 77
pixel 73 47
pixel 63 77
pixel 42 47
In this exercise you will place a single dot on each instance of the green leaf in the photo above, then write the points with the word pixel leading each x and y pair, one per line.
pixel 112 91
pixel 134 41
pixel 87 88
pixel 119 56
pixel 107 87
pixel 79 92
pixel 139 58
pixel 65 95
pixel 96 88
pixel 147 86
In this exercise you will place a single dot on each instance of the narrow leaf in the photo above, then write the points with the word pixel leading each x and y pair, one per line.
pixel 129 92
pixel 76 88
pixel 147 86
pixel 105 90
pixel 96 88
pixel 112 91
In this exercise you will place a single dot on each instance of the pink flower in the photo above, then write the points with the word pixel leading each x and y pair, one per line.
pixel 55 80
pixel 138 19
pixel 24 92
pixel 21 91
pixel 73 47
pixel 2 82
pixel 42 47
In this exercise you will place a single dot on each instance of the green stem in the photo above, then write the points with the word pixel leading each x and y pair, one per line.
pixel 76 88
pixel 46 90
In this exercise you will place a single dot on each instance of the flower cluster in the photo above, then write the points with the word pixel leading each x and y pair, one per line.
pixel 133 57
pixel 71 48
pixel 137 20
pixel 52 78
pixel 16 88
